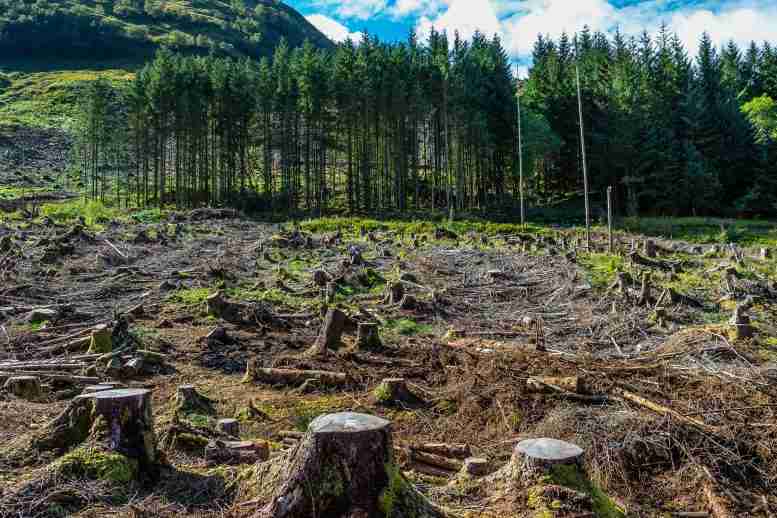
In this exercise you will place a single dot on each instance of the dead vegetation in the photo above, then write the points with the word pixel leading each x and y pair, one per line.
pixel 658 361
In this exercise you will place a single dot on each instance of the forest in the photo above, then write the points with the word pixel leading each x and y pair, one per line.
pixel 376 126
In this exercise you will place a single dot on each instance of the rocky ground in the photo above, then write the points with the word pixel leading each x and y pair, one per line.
pixel 487 340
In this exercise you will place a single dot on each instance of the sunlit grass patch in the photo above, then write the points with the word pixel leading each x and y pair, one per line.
pixel 407 327
pixel 602 268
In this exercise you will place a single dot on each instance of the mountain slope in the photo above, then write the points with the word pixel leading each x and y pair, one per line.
pixel 113 29
pixel 49 49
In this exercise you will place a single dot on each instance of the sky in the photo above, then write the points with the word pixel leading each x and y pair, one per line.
pixel 519 21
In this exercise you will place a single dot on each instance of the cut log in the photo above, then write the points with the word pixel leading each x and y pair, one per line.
pixel 236 452
pixel 331 332
pixel 229 427
pixel 188 401
pixel 24 387
pixel 295 377
pixel 437 461
pixel 574 384
pixel 394 391
pixel 345 467
pixel 456 451
pixel 367 336
pixel 89 389
pixel 535 458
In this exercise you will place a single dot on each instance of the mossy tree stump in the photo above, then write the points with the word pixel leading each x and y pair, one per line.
pixel 534 458
pixel 344 468
pixel 129 422
pixel 394 391
pixel 24 387
pixel 367 336
pixel 188 401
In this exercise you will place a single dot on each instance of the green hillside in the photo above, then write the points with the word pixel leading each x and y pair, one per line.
pixel 114 29
pixel 51 49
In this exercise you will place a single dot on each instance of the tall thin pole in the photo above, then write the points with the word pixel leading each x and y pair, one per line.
pixel 585 164
pixel 609 218
pixel 520 147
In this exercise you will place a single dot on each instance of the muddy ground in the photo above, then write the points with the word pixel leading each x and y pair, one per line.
pixel 675 412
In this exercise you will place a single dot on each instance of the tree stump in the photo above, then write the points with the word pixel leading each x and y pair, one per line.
pixel 394 391
pixel 650 248
pixel 344 468
pixel 475 467
pixel 321 278
pixel 129 423
pixel 740 321
pixel 395 293
pixel 221 308
pixel 408 302
pixel 189 401
pixel 644 292
pixel 367 336
pixel 534 458
pixel 230 427
pixel 24 387
pixel 101 340
pixel 331 332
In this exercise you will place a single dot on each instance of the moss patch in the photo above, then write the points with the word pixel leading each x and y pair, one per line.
pixel 573 478
pixel 97 465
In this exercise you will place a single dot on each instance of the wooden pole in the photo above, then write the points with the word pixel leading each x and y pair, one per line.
pixel 585 164
pixel 609 217
pixel 520 149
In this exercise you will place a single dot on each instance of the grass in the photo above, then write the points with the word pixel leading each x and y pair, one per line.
pixel 190 296
pixel 706 230
pixel 95 213
pixel 602 268
pixel 407 327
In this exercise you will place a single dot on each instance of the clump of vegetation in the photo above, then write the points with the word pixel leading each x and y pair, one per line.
pixel 602 267
pixel 97 464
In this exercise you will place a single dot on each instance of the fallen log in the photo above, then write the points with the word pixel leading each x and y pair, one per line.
pixel 437 461
pixel 294 376
pixel 574 384
pixel 457 451
pixel 666 411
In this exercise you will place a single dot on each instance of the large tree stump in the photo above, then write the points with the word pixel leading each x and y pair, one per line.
pixel 129 423
pixel 331 332
pixel 534 458
pixel 24 387
pixel 344 468
pixel 367 336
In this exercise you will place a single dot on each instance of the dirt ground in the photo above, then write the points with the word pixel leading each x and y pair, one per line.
pixel 674 411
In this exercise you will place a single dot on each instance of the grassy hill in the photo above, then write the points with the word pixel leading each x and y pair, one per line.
pixel 49 49
pixel 121 29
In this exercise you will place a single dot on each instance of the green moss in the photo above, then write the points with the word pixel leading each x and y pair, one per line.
pixel 395 491
pixel 407 327
pixel 101 342
pixel 191 296
pixel 573 478
pixel 382 393
pixel 98 465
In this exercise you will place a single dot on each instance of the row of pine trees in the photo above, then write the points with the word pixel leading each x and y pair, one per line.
pixel 410 126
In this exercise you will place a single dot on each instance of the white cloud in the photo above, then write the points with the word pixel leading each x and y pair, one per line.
pixel 403 8
pixel 333 29
pixel 359 9
pixel 518 22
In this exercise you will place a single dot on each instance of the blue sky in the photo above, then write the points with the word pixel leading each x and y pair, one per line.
pixel 519 21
